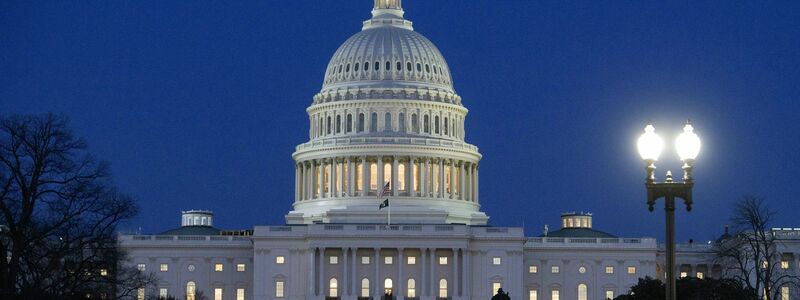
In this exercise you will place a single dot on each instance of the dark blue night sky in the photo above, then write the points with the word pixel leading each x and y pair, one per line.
pixel 199 104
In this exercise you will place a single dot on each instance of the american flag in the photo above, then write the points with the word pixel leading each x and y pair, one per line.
pixel 384 191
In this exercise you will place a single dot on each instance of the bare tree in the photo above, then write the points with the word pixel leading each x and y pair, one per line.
pixel 59 213
pixel 752 255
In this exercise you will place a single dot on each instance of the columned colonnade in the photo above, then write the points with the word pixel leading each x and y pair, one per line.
pixel 410 176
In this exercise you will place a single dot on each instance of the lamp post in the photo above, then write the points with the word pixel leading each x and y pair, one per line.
pixel 688 146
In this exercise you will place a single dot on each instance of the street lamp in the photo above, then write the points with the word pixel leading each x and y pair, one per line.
pixel 688 146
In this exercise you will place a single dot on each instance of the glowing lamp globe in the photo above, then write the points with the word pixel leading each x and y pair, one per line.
pixel 688 144
pixel 650 144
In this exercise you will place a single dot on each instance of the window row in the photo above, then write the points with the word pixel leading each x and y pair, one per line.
pixel 191 293
pixel 191 267
pixel 386 66
pixel 365 260
pixel 583 293
pixel 388 288
pixel 358 123
pixel 533 269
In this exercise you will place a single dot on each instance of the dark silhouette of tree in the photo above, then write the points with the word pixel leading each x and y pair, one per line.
pixel 59 213
pixel 689 289
pixel 752 255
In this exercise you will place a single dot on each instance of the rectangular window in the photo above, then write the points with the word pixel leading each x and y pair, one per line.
pixel 533 269
pixel 785 293
pixel 240 268
pixel 280 259
pixel 141 267
pixel 609 294
pixel 217 267
pixel 217 293
pixel 365 260
pixel 684 275
pixel 103 272
pixel 631 270
pixel 163 293
pixel 609 270
pixel 164 267
pixel 554 295
pixel 140 294
pixel 239 294
pixel 442 260
pixel 496 260
pixel 279 289
pixel 555 270
pixel 412 260
pixel 533 295
pixel 700 275
pixel 387 260
pixel 784 264
pixel 334 260
pixel 496 286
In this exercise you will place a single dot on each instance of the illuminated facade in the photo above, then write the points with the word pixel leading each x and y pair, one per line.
pixel 388 112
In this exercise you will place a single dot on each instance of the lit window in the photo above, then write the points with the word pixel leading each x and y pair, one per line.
pixel 442 288
pixel 533 295
pixel 279 289
pixel 387 260
pixel 785 293
pixel 164 267
pixel 631 270
pixel 784 264
pixel 103 272
pixel 412 288
pixel 334 260
pixel 140 294
pixel 365 260
pixel 141 267
pixel 582 269
pixel 333 288
pixel 411 260
pixel 700 275
pixel 240 294
pixel 609 294
pixel 582 292
pixel 387 285
pixel 764 264
pixel 533 269
pixel 190 290
pixel 163 293
pixel 609 270
pixel 555 269
pixel 442 260
pixel 554 295
pixel 496 286
pixel 218 267
pixel 364 287
pixel 496 260
pixel 684 274
pixel 240 268
pixel 217 293
pixel 280 259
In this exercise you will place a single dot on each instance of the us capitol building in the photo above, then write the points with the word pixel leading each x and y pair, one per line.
pixel 387 112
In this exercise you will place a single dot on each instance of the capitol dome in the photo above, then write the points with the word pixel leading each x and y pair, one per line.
pixel 387 115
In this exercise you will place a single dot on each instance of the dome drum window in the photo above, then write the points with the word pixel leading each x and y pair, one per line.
pixel 355 68
pixel 419 67
pixel 408 66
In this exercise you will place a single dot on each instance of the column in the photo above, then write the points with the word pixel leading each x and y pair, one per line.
pixel 331 177
pixel 364 176
pixel 423 176
pixel 410 176
pixel 477 185
pixel 400 280
pixel 296 182
pixel 376 282
pixel 440 192
pixel 312 265
pixel 321 178
pixel 322 271
pixel 380 175
pixel 353 277
pixel 394 175
pixel 345 278
pixel 462 182
pixel 351 174
pixel 424 280
pixel 464 274
pixel 452 178
pixel 432 282
pixel 309 180
pixel 455 273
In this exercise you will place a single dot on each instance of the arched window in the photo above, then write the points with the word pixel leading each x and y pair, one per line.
pixel 366 66
pixel 426 126
pixel 442 288
pixel 340 69
pixel 419 67
pixel 387 122
pixel 399 66
pixel 408 66
pixel 377 65
pixel 333 288
pixel 387 285
pixel 582 292
pixel 436 125
pixel 190 290
pixel 320 127
pixel 414 123
pixel 412 288
pixel 401 177
pixel 361 122
pixel 347 68
pixel 387 173
pixel 373 176
pixel 446 125
pixel 328 130
pixel 349 123
pixel 427 68
pixel 401 122
pixel 355 67
pixel 339 124
pixel 434 70
pixel 373 122
pixel 364 287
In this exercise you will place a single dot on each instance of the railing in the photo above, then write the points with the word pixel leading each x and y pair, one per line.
pixel 599 242
pixel 214 238
pixel 345 141
pixel 280 228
